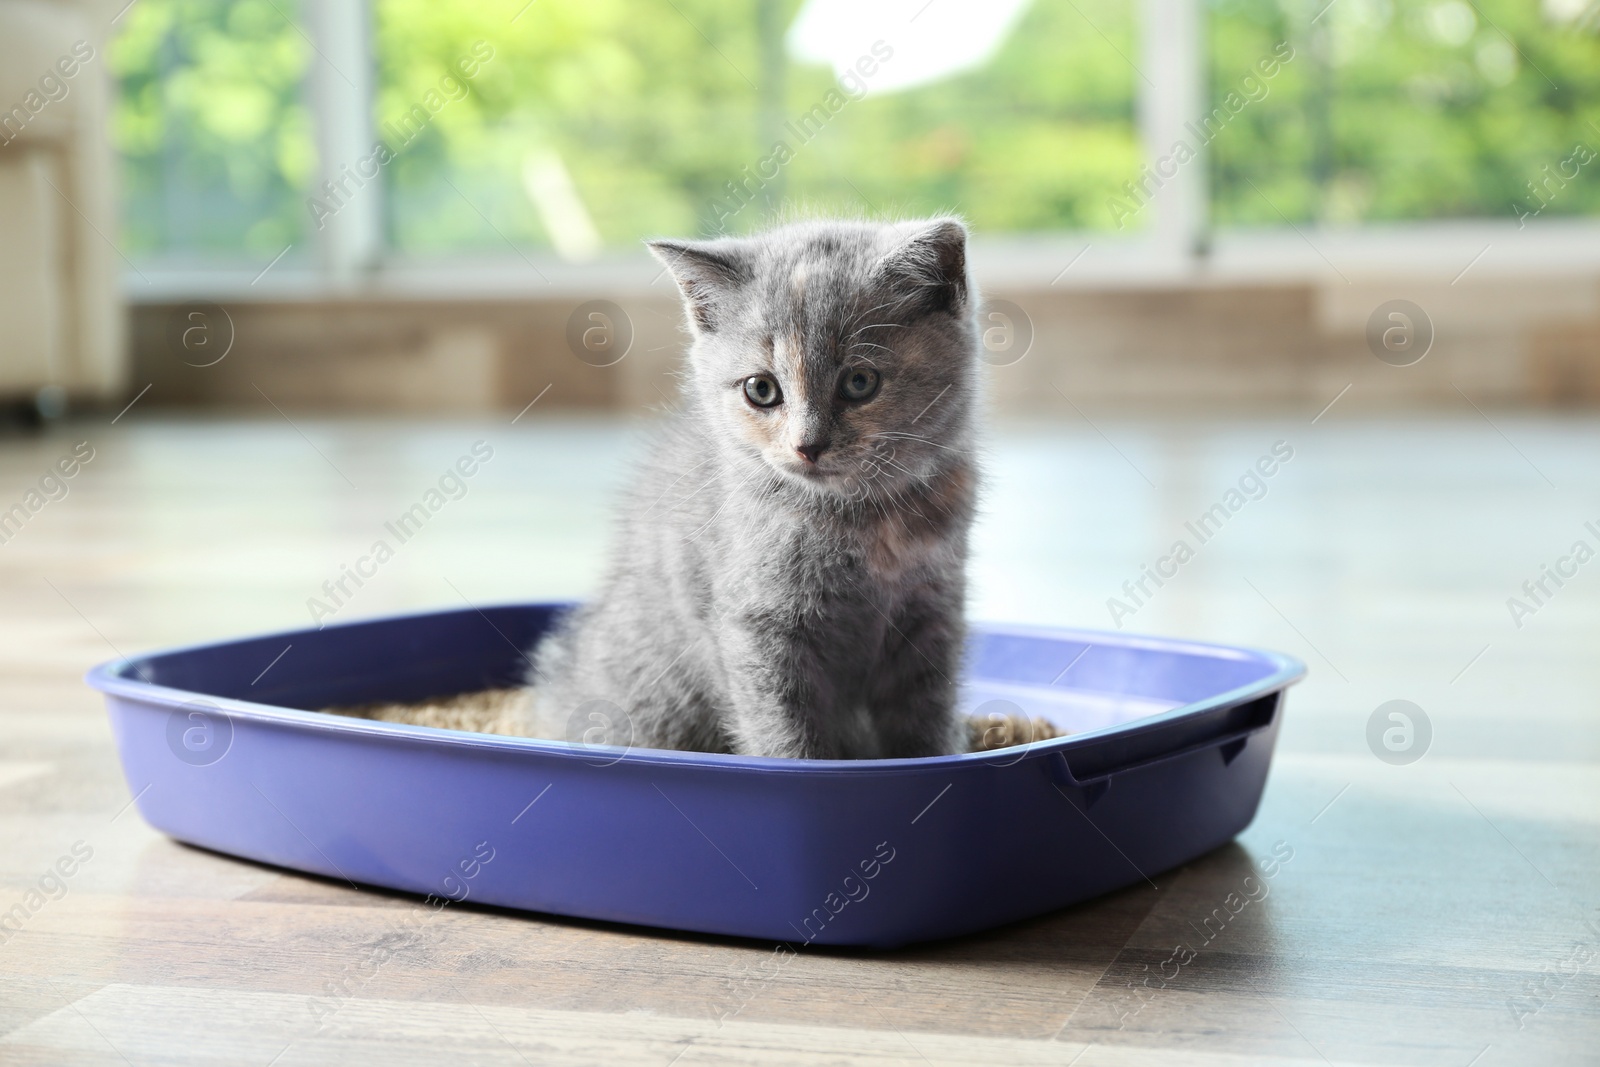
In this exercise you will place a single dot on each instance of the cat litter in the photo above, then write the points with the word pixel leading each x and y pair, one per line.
pixel 1165 755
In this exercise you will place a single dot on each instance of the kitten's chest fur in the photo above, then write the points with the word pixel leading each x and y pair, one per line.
pixel 868 552
pixel 848 590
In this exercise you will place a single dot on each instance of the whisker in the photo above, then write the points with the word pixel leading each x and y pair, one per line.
pixel 726 500
pixel 876 325
pixel 863 313
pixel 673 484
pixel 903 436
pixel 679 504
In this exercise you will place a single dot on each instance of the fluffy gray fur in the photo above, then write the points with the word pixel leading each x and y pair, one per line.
pixel 764 602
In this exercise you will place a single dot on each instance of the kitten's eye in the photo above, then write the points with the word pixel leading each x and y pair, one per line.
pixel 762 391
pixel 858 384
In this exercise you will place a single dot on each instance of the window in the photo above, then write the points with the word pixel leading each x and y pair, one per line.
pixel 567 128
pixel 1406 109
pixel 598 123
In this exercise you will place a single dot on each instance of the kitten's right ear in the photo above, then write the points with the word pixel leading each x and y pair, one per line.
pixel 707 272
pixel 931 265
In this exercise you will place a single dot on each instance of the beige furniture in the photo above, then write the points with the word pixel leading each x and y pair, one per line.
pixel 59 300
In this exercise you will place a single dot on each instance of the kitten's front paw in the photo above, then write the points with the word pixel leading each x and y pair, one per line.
pixel 993 731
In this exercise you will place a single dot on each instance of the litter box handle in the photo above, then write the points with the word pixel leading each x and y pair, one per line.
pixel 1228 729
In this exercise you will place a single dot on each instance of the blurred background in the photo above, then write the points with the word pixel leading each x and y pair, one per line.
pixel 388 205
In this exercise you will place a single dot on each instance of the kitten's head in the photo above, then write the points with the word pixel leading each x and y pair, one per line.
pixel 840 354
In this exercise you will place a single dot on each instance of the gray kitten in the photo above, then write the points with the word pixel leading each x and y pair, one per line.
pixel 790 571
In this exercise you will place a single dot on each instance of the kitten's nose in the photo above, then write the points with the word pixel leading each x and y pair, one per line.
pixel 810 452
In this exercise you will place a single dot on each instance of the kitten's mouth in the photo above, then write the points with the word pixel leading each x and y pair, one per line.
pixel 844 480
pixel 840 473
pixel 813 472
pixel 817 475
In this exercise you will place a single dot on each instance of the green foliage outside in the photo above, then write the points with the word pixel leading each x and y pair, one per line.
pixel 1391 109
pixel 216 139
pixel 652 121
pixel 1407 109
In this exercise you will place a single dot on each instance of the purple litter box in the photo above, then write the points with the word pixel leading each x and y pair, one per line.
pixel 1167 758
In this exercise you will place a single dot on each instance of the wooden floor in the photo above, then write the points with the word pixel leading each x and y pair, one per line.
pixel 1445 911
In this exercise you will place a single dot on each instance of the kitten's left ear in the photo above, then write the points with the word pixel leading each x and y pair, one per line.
pixel 707 272
pixel 932 264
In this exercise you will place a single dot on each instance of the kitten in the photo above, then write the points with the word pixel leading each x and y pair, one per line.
pixel 789 576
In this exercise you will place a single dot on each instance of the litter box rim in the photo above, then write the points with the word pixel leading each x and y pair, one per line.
pixel 114 678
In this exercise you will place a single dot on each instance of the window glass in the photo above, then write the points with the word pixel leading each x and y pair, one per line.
pixel 211 121
pixel 1405 109
pixel 586 124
